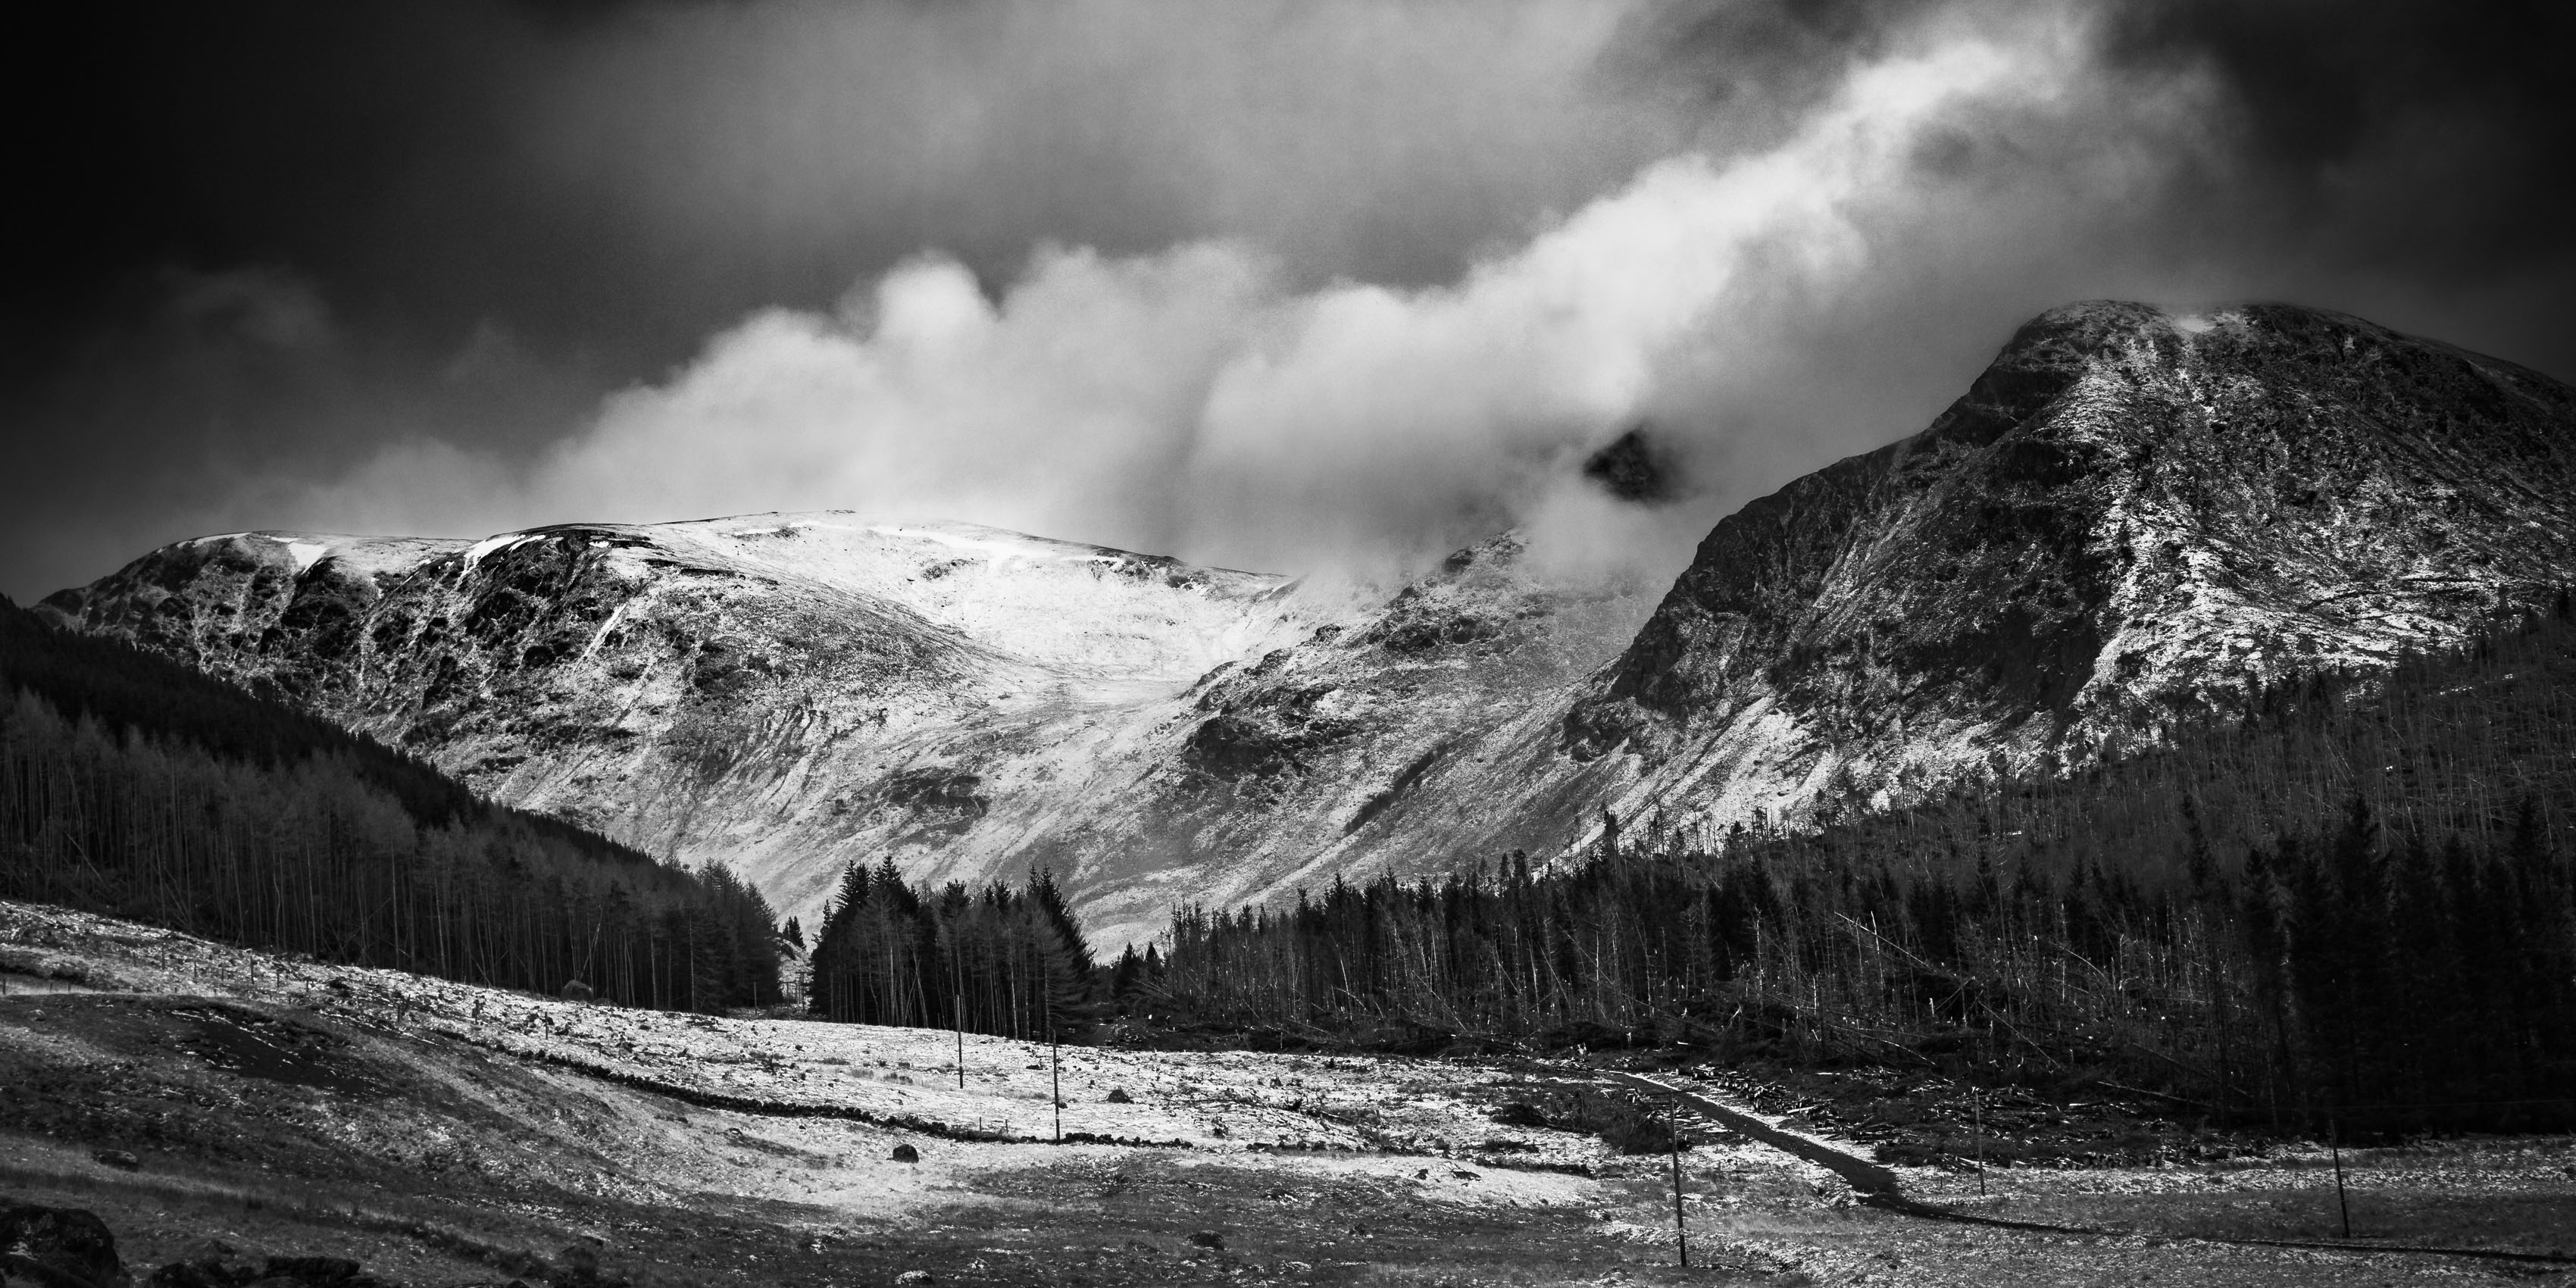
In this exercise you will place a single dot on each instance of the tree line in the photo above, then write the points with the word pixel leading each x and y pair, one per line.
pixel 136 787
pixel 994 960
pixel 2355 900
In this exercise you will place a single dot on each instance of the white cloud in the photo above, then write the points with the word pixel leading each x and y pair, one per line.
pixel 1188 401
pixel 1061 408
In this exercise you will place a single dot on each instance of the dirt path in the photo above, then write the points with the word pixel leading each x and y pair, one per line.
pixel 1866 1177
pixel 1880 1188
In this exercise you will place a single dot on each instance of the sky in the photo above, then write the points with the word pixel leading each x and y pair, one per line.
pixel 1299 287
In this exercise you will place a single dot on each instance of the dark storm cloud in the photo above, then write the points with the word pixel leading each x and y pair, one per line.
pixel 1773 56
pixel 252 235
pixel 2405 156
pixel 2324 81
pixel 629 175
pixel 589 191
pixel 212 137
pixel 1219 277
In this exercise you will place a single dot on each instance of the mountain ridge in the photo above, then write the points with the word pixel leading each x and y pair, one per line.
pixel 2128 518
pixel 662 680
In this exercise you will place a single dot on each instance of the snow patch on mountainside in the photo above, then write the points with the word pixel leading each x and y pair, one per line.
pixel 786 693
pixel 792 693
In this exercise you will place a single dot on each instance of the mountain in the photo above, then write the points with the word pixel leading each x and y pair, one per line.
pixel 2129 520
pixel 1390 738
pixel 783 692
pixel 2354 902
pixel 2129 523
pixel 789 693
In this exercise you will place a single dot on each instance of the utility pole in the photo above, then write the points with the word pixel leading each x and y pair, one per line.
pixel 1977 1113
pixel 961 1041
pixel 1673 1128
pixel 1055 1070
pixel 2335 1148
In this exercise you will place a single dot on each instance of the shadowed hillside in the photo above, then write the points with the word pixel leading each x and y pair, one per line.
pixel 135 786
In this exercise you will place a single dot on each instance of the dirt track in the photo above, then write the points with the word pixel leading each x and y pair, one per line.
pixel 426 1128
pixel 1880 1187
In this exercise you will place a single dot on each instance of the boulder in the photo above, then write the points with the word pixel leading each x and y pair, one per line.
pixel 311 1272
pixel 213 1263
pixel 58 1248
pixel 207 1263
pixel 906 1154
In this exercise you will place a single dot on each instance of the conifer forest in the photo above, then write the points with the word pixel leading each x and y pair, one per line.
pixel 2352 899
pixel 675 643
pixel 132 786
pixel 2351 902
pixel 996 960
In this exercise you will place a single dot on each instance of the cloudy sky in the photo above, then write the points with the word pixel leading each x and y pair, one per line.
pixel 1291 286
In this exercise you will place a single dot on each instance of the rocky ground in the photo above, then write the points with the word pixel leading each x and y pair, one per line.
pixel 435 1133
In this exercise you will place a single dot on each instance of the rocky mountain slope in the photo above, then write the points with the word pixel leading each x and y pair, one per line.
pixel 790 693
pixel 1390 739
pixel 786 693
pixel 2126 520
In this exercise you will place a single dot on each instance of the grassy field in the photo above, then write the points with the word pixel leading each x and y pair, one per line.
pixel 445 1135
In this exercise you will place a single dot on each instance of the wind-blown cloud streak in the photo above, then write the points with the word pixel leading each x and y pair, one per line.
pixel 1192 400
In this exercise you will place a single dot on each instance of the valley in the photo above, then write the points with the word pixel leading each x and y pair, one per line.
pixel 2128 521
pixel 2053 847
pixel 1438 644
pixel 444 1134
